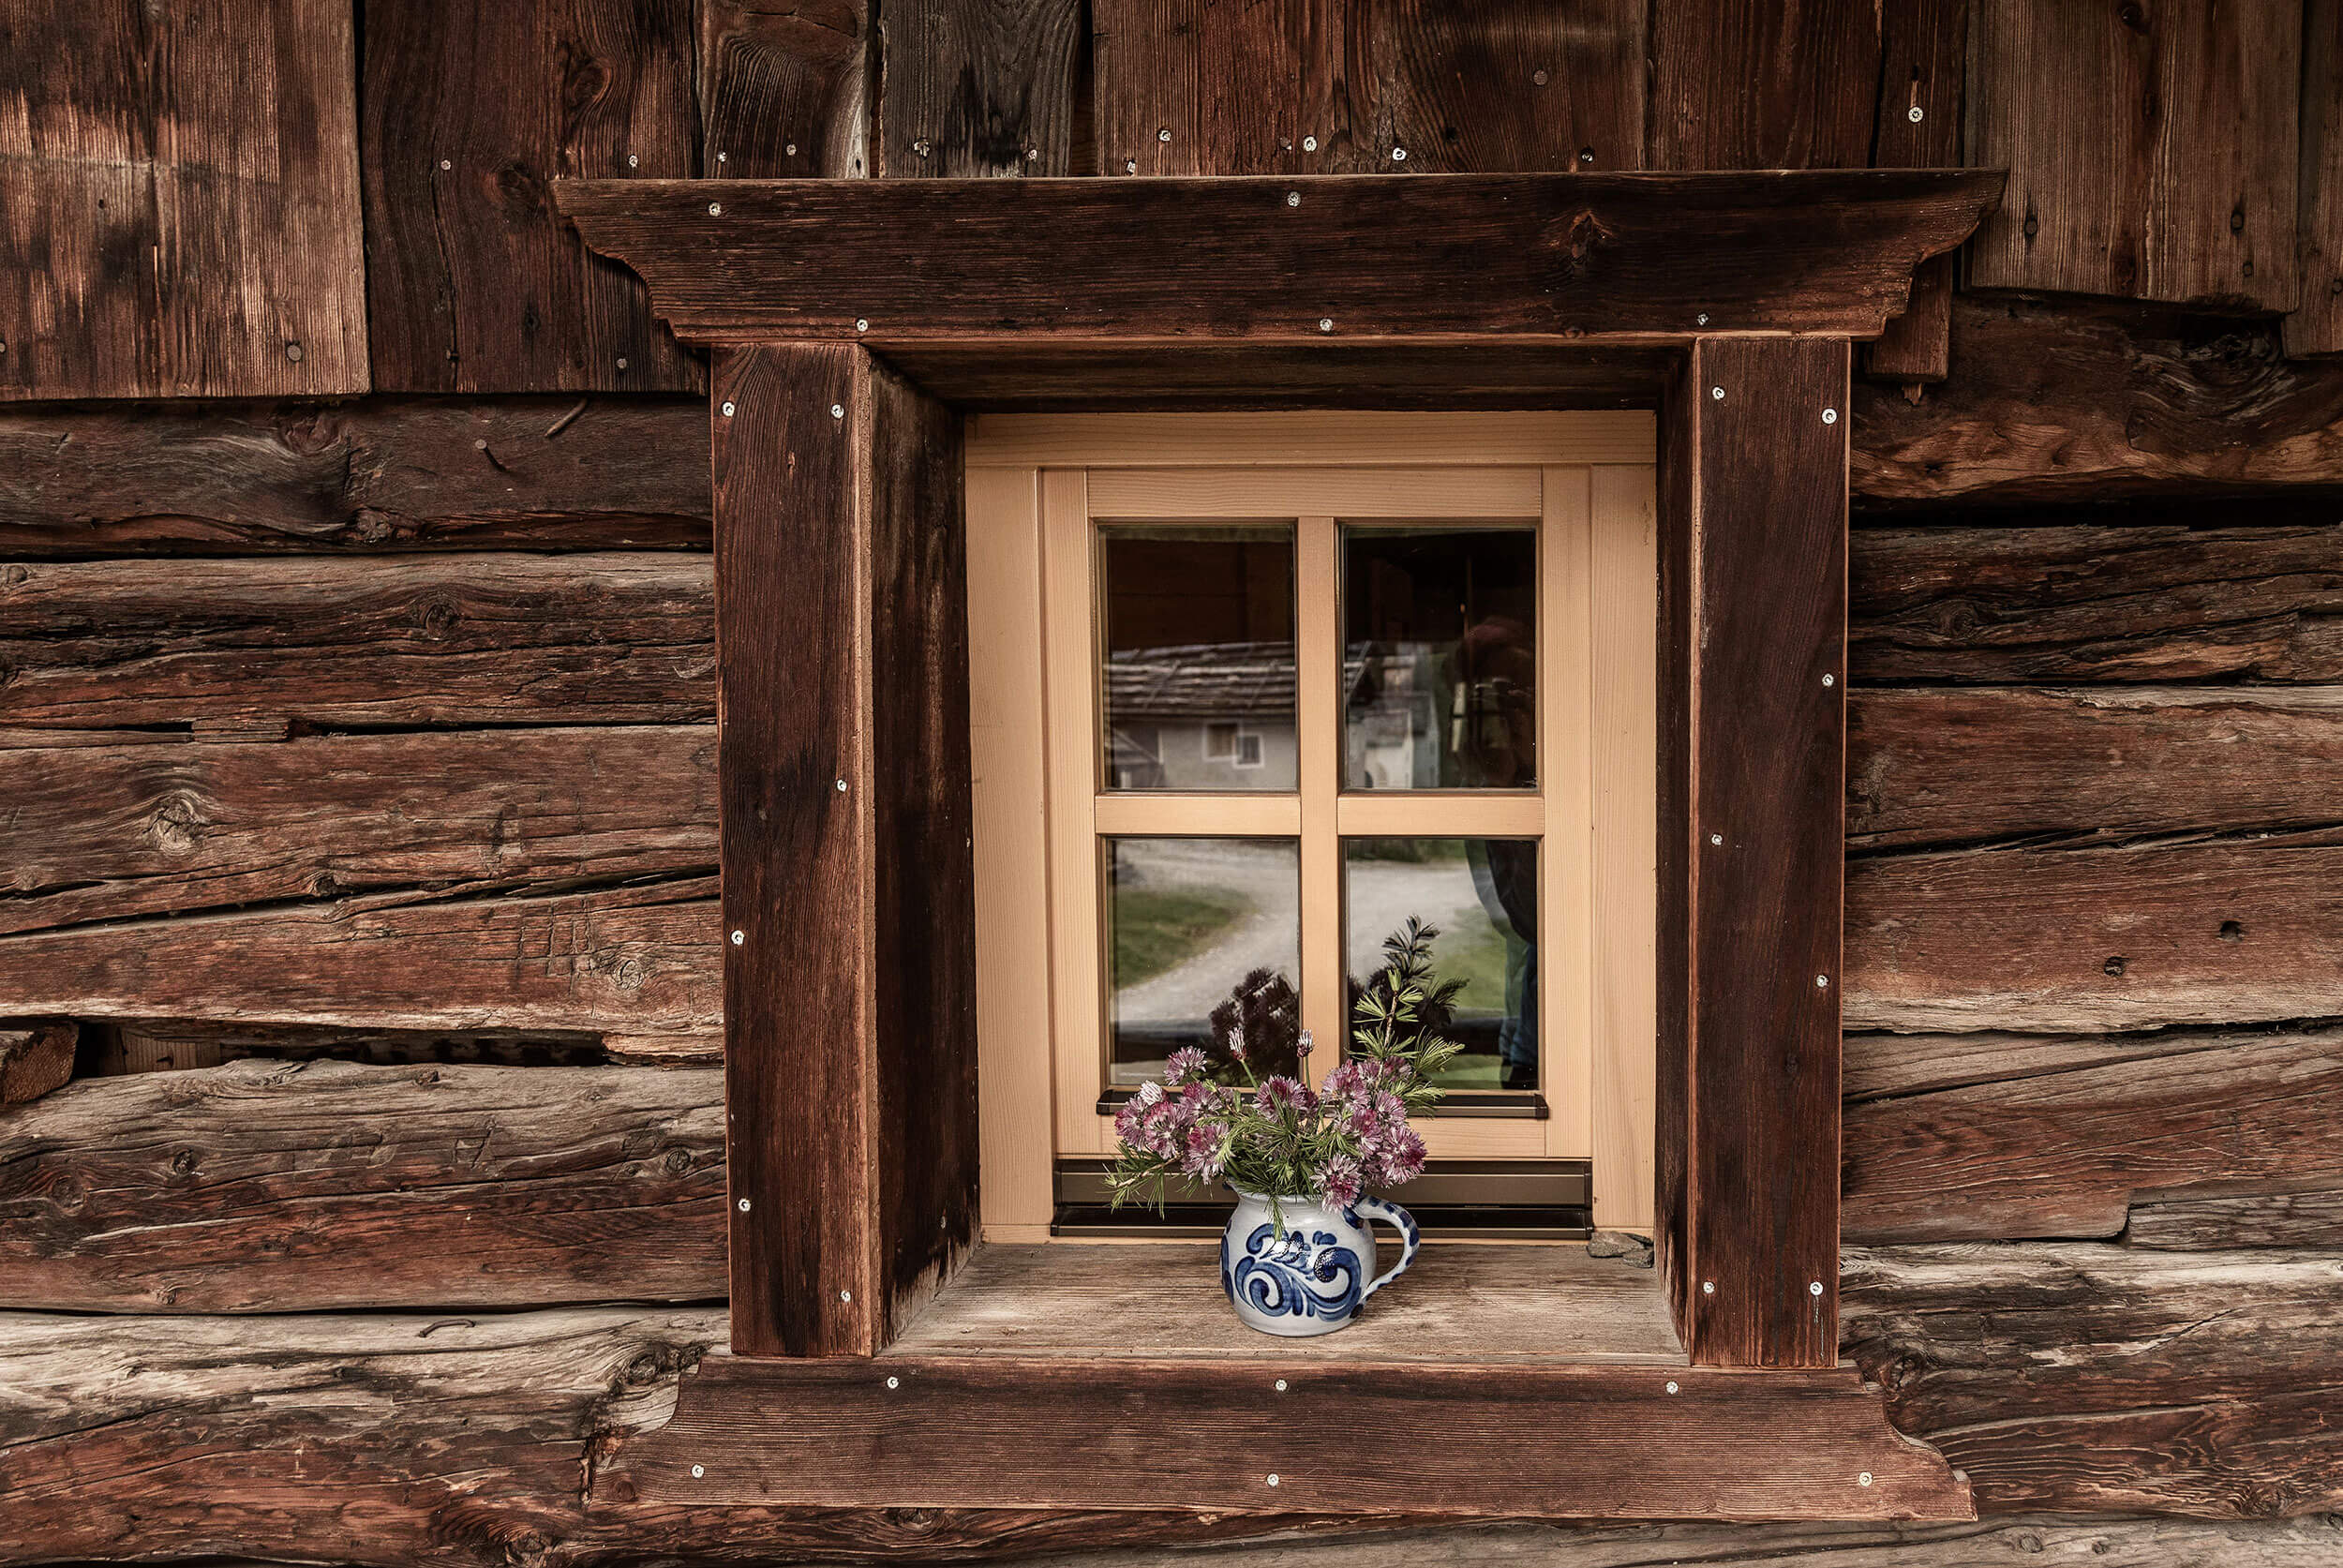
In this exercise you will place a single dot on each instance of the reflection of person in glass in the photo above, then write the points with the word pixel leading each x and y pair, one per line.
pixel 1493 740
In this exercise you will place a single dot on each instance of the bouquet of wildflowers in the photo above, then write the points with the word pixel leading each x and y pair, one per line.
pixel 1275 1136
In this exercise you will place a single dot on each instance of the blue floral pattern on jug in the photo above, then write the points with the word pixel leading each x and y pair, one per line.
pixel 1312 1279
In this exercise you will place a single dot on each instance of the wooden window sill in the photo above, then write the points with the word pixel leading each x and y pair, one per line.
pixel 1476 1302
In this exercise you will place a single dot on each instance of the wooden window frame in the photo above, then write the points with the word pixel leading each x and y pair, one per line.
pixel 1038 487
pixel 852 323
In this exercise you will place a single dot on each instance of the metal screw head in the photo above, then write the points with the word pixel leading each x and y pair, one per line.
pixel 1033 155
pixel 920 147
pixel 862 323
pixel 1538 78
pixel 1916 114
pixel 1831 416
pixel 836 410
pixel 1708 1287
pixel 1164 135
pixel 1716 837
pixel 1326 324
pixel 1585 154
pixel 1293 198
pixel 294 351
pixel 699 1471
pixel 1717 393
pixel 1309 143
pixel 1671 1388
pixel 1864 1479
pixel 841 786
pixel 1281 1385
pixel 739 937
pixel 621 362
pixel 744 1205
pixel 1702 320
pixel 894 1383
pixel 630 160
pixel 1815 1288
pixel 1273 1477
pixel 728 410
pixel 1130 166
pixel 715 209
pixel 445 164
pixel 1399 155
pixel 791 149
pixel 1822 983
pixel 1830 681
pixel 719 158
pixel 845 1295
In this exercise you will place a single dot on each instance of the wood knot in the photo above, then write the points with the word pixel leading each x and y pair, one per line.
pixel 436 615
pixel 678 1163
pixel 631 974
pixel 15 576
pixel 2113 965
pixel 176 825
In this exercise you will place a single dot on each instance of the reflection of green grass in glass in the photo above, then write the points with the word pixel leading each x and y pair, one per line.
pixel 1477 957
pixel 1418 852
pixel 1468 1070
pixel 1157 930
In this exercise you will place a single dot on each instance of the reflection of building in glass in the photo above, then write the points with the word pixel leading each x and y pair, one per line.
pixel 1201 716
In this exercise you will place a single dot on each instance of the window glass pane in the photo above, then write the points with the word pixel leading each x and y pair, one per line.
pixel 1203 937
pixel 1481 894
pixel 1198 657
pixel 1440 673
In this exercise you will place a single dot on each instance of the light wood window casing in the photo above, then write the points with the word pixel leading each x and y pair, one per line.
pixel 1040 489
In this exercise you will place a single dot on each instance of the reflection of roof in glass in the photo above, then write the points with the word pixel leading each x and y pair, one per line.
pixel 1226 679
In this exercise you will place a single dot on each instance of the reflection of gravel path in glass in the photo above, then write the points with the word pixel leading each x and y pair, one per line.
pixel 1384 894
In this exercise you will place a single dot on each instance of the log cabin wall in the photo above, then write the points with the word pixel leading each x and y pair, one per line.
pixel 356 687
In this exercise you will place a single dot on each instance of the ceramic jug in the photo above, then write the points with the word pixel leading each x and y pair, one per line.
pixel 1315 1278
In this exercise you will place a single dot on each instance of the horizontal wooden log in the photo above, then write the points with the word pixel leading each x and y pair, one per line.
pixel 1947 767
pixel 512 639
pixel 293 1187
pixel 639 959
pixel 2190 1223
pixel 2059 399
pixel 1458 256
pixel 2152 600
pixel 2060 1154
pixel 34 1058
pixel 103 833
pixel 548 474
pixel 2081 1376
pixel 2091 940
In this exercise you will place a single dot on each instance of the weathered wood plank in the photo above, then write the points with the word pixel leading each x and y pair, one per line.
pixel 512 639
pixel 1763 740
pixel 2191 1224
pixel 107 833
pixel 1580 1442
pixel 546 473
pixel 973 87
pixel 1738 87
pixel 1444 257
pixel 2316 326
pixel 1924 61
pixel 2083 1376
pixel 2163 168
pixel 1342 86
pixel 181 215
pixel 2086 940
pixel 471 107
pixel 783 88
pixel 328 1186
pixel 35 1059
pixel 1933 767
pixel 2069 400
pixel 2061 1153
pixel 1984 602
pixel 633 960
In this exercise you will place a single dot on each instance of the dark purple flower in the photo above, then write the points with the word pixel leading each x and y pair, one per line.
pixel 1186 1066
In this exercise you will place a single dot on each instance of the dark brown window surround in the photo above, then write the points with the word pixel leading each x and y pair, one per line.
pixel 852 321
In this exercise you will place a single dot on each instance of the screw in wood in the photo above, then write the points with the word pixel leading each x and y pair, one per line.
pixel 1326 324
pixel 727 410
pixel 845 1295
pixel 744 1205
pixel 862 324
pixel 1293 198
pixel 836 410
pixel 1716 837
pixel 630 160
pixel 1822 983
pixel 445 164
pixel 719 158
pixel 1671 1388
pixel 1273 1477
pixel 715 209
pixel 920 147
pixel 1399 155
pixel 1585 154
pixel 1309 143
pixel 1717 393
pixel 894 1383
pixel 1708 1287
pixel 790 148
pixel 841 786
pixel 294 351
pixel 1831 416
pixel 1130 166
pixel 621 362
pixel 1830 681
pixel 739 937
pixel 1864 1479
pixel 699 1471
pixel 1815 1288
pixel 1281 1385
pixel 1916 114
pixel 1164 135
pixel 1702 320
pixel 1539 78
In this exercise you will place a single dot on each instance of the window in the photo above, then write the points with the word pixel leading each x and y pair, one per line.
pixel 1238 721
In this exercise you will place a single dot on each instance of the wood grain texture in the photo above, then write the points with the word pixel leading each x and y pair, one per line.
pixel 181 216
pixel 2161 599
pixel 2062 1153
pixel 518 639
pixel 329 1186
pixel 840 624
pixel 2070 400
pixel 630 960
pixel 1339 86
pixel 235 478
pixel 1764 747
pixel 783 88
pixel 1471 257
pixel 1675 719
pixel 36 1057
pixel 1736 86
pixel 113 832
pixel 2249 1219
pixel 2316 326
pixel 2141 936
pixel 1976 765
pixel 1578 1441
pixel 2109 1380
pixel 2164 166
pixel 977 87
pixel 472 109
pixel 1924 61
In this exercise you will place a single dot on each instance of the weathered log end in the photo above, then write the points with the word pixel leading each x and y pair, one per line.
pixel 36 1057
